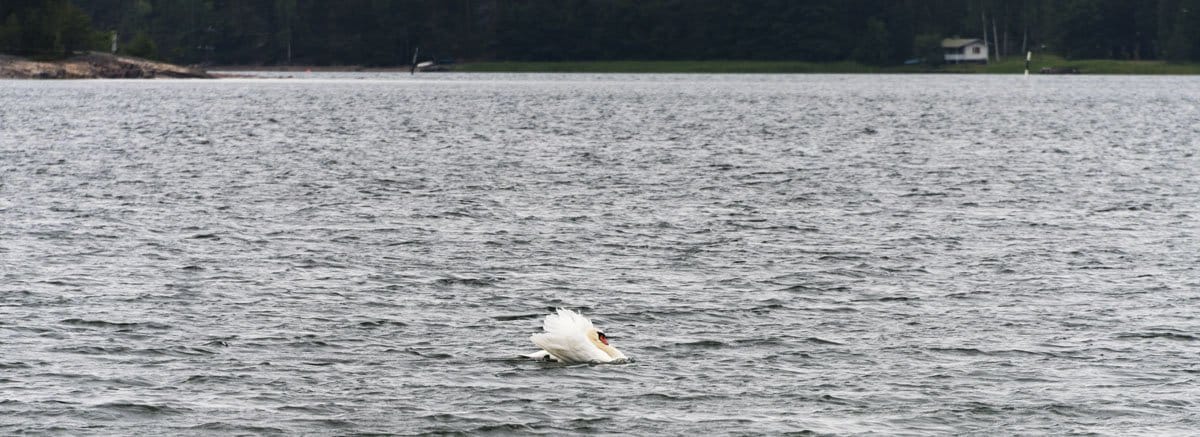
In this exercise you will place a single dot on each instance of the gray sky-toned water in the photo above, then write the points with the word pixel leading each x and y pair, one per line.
pixel 367 253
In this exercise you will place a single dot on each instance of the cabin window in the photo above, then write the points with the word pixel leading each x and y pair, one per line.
pixel 975 50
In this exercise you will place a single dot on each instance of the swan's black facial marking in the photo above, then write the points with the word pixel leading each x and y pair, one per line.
pixel 603 338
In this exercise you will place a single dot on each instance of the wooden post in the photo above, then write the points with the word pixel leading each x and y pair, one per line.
pixel 414 62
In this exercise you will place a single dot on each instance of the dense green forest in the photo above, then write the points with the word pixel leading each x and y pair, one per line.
pixel 385 32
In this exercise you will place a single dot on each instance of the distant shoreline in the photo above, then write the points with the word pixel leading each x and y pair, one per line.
pixel 312 68
pixel 1008 66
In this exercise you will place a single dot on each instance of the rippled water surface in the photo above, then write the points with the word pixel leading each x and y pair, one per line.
pixel 355 253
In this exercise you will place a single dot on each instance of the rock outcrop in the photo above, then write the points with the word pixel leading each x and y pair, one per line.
pixel 94 65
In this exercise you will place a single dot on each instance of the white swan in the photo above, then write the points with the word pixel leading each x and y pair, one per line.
pixel 571 338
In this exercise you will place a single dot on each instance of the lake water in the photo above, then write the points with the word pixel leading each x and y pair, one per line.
pixel 367 253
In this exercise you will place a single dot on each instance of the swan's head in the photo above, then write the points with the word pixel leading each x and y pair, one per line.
pixel 601 341
pixel 597 338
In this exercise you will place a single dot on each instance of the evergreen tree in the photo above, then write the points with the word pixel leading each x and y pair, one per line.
pixel 928 48
pixel 11 34
pixel 1182 45
pixel 874 47
pixel 142 46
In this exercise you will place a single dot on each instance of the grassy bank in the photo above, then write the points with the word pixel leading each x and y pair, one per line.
pixel 1085 66
pixel 1009 66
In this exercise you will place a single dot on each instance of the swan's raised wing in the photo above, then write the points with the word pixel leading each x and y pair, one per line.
pixel 565 321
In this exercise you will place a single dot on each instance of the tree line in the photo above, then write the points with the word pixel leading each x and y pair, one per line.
pixel 386 32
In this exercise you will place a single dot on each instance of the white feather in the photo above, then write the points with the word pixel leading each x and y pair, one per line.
pixel 566 339
pixel 540 356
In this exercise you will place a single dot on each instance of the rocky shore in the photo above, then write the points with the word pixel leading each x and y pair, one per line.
pixel 94 66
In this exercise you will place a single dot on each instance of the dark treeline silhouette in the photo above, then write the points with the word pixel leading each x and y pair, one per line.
pixel 385 32
pixel 44 27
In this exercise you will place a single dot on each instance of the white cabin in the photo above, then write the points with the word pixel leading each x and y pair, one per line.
pixel 959 50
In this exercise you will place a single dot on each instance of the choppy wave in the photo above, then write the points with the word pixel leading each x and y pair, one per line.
pixel 365 254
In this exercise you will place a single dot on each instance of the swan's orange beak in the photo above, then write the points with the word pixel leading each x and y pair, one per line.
pixel 603 338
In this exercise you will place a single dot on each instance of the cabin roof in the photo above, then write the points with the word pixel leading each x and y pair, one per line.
pixel 954 43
